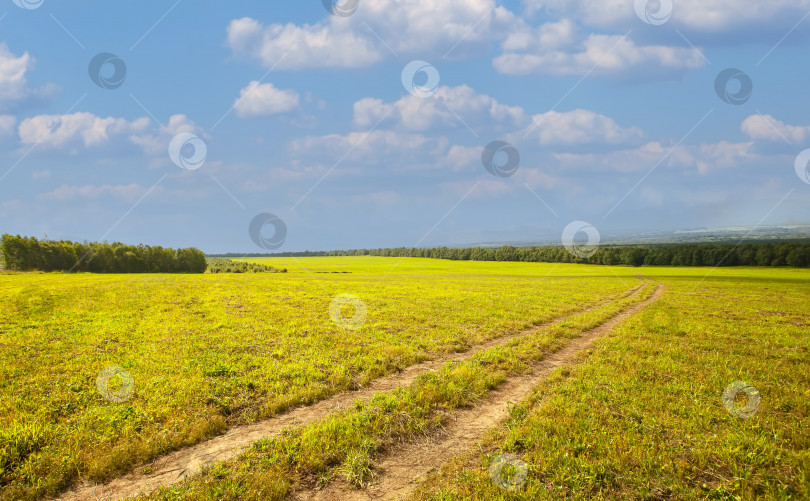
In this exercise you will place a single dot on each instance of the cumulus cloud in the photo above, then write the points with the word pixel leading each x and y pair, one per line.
pixel 704 158
pixel 86 128
pixel 155 141
pixel 704 15
pixel 460 157
pixel 382 29
pixel 447 107
pixel 91 131
pixel 549 35
pixel 405 147
pixel 453 107
pixel 265 99
pixel 767 128
pixel 410 133
pixel 708 157
pixel 13 81
pixel 12 74
pixel 579 127
pixel 299 47
pixel 378 28
pixel 566 54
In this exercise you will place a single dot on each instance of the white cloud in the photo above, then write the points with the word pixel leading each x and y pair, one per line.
pixel 13 81
pixel 12 74
pixel 601 54
pixel 425 29
pixel 265 99
pixel 407 27
pixel 155 142
pixel 578 127
pixel 726 155
pixel 399 141
pixel 627 160
pixel 767 128
pixel 704 158
pixel 89 129
pixel 419 26
pixel 295 47
pixel 460 157
pixel 447 107
pixel 393 150
pixel 66 193
pixel 549 35
pixel 461 106
pixel 704 15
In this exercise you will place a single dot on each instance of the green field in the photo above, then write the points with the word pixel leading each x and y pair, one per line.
pixel 193 355
pixel 644 417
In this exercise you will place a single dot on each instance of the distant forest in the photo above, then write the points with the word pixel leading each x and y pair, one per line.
pixel 28 254
pixel 795 254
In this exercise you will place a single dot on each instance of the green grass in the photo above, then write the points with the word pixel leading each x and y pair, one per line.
pixel 644 418
pixel 345 443
pixel 208 352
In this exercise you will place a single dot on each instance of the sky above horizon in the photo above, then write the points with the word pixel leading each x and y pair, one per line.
pixel 289 126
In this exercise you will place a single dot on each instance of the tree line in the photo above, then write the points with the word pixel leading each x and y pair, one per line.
pixel 795 254
pixel 222 265
pixel 28 254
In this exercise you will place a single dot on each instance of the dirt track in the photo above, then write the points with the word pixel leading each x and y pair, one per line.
pixel 404 469
pixel 176 466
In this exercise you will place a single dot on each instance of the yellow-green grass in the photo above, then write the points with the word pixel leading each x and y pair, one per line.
pixel 346 443
pixel 643 417
pixel 207 352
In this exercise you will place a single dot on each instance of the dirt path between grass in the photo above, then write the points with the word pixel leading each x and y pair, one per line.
pixel 176 466
pixel 400 472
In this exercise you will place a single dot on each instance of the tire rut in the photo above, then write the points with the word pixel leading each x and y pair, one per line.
pixel 178 465
pixel 405 468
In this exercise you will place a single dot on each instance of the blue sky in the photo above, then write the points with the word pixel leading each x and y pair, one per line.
pixel 303 114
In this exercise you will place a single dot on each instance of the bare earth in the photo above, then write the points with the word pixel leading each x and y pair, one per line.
pixel 401 472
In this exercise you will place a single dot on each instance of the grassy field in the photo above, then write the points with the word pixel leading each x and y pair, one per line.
pixel 345 444
pixel 104 373
pixel 645 417
pixel 99 373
